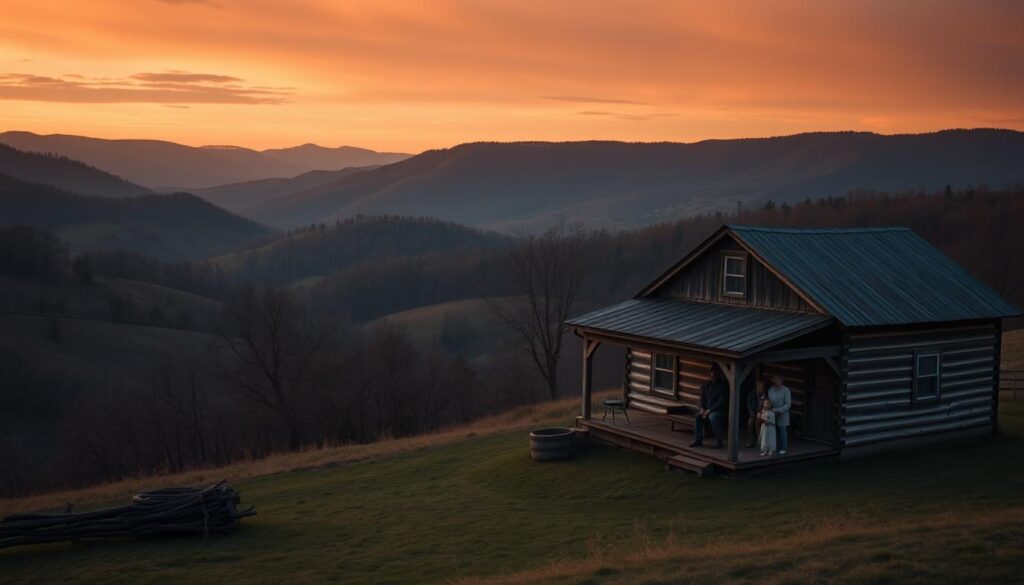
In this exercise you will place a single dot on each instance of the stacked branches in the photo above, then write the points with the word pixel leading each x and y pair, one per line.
pixel 169 511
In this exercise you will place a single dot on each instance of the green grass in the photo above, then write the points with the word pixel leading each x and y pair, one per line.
pixel 479 507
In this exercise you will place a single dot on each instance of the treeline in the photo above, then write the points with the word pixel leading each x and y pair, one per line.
pixel 277 378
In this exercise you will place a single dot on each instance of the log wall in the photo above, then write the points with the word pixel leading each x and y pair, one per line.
pixel 876 404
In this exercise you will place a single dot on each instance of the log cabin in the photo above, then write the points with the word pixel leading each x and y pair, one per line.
pixel 883 340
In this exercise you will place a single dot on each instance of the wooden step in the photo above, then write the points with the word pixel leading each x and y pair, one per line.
pixel 700 467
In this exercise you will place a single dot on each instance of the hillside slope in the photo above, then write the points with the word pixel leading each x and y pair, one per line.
pixel 469 504
pixel 174 227
pixel 613 184
pixel 64 173
pixel 239 196
pixel 165 165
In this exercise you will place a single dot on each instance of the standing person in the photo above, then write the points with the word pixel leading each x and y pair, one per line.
pixel 767 418
pixel 755 398
pixel 713 402
pixel 781 399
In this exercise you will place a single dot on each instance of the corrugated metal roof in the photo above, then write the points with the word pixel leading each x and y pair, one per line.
pixel 727 328
pixel 874 276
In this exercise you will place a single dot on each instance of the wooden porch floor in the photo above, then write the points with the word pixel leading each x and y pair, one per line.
pixel 650 433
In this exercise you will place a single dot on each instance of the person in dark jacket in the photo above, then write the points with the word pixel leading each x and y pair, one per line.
pixel 714 396
pixel 755 398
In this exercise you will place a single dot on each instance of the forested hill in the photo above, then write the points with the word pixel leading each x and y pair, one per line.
pixel 174 227
pixel 324 249
pixel 615 184
pixel 64 173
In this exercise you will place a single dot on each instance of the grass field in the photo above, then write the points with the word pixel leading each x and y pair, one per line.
pixel 470 505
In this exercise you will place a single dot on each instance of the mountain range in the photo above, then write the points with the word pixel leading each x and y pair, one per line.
pixel 168 166
pixel 530 185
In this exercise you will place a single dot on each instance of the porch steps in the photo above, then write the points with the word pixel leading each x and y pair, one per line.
pixel 654 404
pixel 700 467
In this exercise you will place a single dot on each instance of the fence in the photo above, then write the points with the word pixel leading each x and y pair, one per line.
pixel 1011 385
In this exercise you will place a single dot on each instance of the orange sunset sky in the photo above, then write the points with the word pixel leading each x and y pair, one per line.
pixel 412 75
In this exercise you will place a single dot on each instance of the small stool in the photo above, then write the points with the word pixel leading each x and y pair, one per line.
pixel 613 404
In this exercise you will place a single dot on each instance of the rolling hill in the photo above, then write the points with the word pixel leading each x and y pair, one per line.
pixel 238 197
pixel 173 227
pixel 530 185
pixel 165 165
pixel 64 173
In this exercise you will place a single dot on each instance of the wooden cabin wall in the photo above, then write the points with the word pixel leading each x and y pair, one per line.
pixel 691 373
pixel 702 281
pixel 876 390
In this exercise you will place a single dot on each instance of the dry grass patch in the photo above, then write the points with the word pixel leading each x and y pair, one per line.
pixel 950 548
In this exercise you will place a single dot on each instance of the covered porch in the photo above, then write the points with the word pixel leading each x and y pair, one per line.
pixel 669 347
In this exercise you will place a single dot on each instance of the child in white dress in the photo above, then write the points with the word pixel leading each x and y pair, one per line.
pixel 767 418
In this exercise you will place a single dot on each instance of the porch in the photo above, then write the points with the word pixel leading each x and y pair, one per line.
pixel 651 434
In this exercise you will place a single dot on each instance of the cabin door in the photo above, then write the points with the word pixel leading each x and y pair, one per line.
pixel 822 388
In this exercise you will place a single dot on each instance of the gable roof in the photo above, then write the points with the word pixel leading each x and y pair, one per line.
pixel 864 276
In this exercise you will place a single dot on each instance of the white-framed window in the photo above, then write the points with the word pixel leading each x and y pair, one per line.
pixel 664 380
pixel 734 275
pixel 927 375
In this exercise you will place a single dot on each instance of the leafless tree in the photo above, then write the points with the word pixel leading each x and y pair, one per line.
pixel 547 273
pixel 273 345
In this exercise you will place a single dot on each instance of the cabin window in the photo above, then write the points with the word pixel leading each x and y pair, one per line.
pixel 734 280
pixel 927 374
pixel 664 373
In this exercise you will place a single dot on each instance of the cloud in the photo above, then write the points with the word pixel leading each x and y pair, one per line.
pixel 591 100
pixel 185 77
pixel 166 87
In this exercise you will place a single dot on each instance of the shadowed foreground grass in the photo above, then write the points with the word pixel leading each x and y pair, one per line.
pixel 471 508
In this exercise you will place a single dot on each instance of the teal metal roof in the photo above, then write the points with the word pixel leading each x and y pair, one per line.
pixel 725 328
pixel 874 276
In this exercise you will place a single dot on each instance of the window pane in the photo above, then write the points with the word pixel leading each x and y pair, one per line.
pixel 663 361
pixel 927 386
pixel 734 284
pixel 663 379
pixel 734 266
pixel 927 365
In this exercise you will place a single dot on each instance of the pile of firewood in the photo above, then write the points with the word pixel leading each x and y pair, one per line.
pixel 169 511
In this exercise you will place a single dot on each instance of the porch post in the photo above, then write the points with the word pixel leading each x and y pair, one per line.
pixel 588 374
pixel 735 372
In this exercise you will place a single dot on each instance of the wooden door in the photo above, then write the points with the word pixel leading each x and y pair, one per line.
pixel 822 389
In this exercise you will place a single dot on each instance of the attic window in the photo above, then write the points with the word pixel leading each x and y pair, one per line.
pixel 734 279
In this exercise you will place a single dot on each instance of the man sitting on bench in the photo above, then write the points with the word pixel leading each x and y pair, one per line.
pixel 713 395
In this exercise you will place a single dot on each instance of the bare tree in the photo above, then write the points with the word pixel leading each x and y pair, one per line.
pixel 274 345
pixel 546 272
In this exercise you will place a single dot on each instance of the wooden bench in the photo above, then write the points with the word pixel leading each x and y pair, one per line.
pixel 686 420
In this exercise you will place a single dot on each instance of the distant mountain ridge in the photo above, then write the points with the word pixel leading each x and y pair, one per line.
pixel 64 173
pixel 530 185
pixel 162 165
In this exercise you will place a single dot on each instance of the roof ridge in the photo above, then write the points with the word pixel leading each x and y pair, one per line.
pixel 796 230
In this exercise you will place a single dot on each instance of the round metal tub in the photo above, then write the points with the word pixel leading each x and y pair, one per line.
pixel 552 444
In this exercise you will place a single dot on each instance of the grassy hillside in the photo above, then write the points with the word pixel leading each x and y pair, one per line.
pixel 470 504
pixel 466 327
pixel 507 186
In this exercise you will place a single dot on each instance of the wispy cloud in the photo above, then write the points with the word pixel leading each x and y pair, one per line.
pixel 591 100
pixel 164 87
